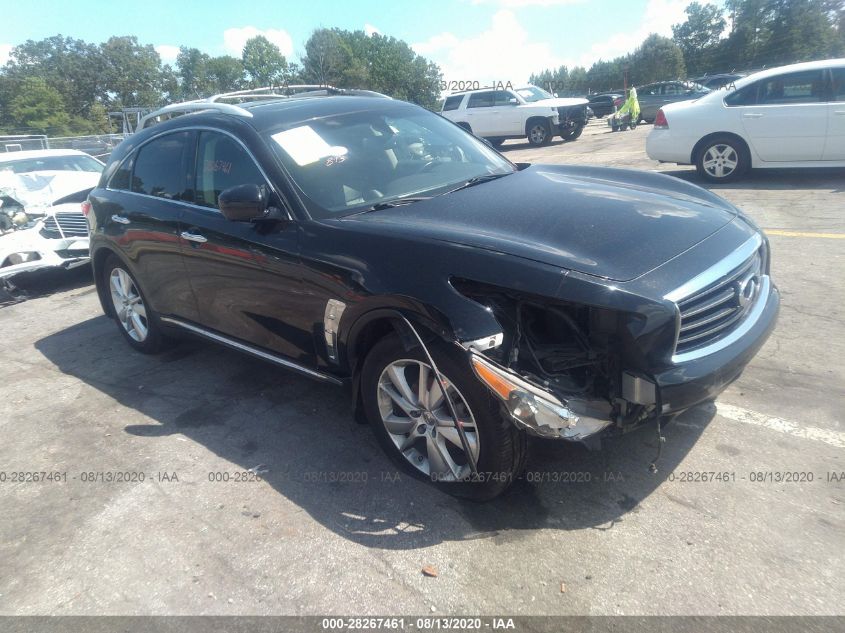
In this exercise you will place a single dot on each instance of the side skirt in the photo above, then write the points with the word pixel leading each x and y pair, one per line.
pixel 254 351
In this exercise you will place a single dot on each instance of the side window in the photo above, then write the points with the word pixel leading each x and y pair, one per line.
pixel 793 88
pixel 650 91
pixel 743 97
pixel 122 178
pixel 671 90
pixel 222 163
pixel 502 97
pixel 481 100
pixel 838 84
pixel 453 102
pixel 161 168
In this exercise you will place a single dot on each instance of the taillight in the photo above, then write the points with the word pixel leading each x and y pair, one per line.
pixel 86 208
pixel 660 120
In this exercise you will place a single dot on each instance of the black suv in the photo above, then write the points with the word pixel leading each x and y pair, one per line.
pixel 465 301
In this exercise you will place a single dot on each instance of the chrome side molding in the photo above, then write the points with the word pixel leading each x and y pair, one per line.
pixel 254 351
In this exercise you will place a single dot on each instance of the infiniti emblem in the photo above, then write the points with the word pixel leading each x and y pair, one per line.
pixel 745 290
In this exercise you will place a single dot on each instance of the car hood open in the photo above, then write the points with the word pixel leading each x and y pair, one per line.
pixel 612 223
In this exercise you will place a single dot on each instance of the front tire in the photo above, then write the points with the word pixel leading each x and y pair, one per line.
pixel 571 135
pixel 539 133
pixel 722 159
pixel 406 408
pixel 132 314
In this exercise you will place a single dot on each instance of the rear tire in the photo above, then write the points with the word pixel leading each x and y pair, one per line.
pixel 135 319
pixel 722 159
pixel 409 436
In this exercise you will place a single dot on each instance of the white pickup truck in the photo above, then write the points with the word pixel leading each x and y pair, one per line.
pixel 529 112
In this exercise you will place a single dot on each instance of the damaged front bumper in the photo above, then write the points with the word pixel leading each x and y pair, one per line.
pixel 540 412
pixel 27 250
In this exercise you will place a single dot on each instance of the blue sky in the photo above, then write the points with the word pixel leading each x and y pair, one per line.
pixel 485 40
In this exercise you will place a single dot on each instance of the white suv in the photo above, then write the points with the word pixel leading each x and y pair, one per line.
pixel 528 112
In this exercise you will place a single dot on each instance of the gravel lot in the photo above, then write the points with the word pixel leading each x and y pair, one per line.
pixel 75 399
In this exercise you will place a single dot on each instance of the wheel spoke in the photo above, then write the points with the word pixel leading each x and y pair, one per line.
pixel 438 458
pixel 399 425
pixel 423 387
pixel 450 434
pixel 139 308
pixel 397 377
pixel 394 395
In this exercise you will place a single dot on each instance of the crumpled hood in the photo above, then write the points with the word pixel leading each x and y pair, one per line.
pixel 612 223
pixel 39 189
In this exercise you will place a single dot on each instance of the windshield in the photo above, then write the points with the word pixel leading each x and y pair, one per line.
pixel 533 93
pixel 346 162
pixel 71 162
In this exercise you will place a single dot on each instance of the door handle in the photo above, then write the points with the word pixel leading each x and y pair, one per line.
pixel 752 115
pixel 120 219
pixel 193 237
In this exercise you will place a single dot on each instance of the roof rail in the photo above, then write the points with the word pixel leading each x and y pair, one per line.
pixel 193 106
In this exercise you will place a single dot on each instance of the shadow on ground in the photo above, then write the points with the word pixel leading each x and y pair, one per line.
pixel 42 283
pixel 805 179
pixel 251 413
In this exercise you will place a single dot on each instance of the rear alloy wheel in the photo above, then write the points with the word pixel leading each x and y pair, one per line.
pixel 539 133
pixel 721 160
pixel 131 311
pixel 413 422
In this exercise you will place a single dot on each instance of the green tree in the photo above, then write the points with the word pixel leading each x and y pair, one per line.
pixel 38 108
pixel 70 66
pixel 192 73
pixel 656 58
pixel 132 73
pixel 225 74
pixel 699 35
pixel 353 59
pixel 263 62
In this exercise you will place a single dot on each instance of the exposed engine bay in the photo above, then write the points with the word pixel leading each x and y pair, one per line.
pixel 566 351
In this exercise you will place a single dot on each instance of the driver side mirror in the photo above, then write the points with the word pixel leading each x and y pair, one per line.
pixel 243 203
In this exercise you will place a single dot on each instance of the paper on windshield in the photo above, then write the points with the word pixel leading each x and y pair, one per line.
pixel 305 146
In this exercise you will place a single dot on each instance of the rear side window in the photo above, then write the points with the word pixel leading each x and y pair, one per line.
pixel 161 168
pixel 481 100
pixel 743 97
pixel 793 88
pixel 222 163
pixel 839 84
pixel 453 103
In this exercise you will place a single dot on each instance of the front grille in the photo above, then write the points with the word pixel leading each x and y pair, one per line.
pixel 67 224
pixel 575 114
pixel 714 311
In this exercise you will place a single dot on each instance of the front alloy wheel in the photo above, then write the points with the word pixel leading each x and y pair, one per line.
pixel 418 420
pixel 413 423
pixel 538 133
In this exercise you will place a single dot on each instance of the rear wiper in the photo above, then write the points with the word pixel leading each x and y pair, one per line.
pixel 477 180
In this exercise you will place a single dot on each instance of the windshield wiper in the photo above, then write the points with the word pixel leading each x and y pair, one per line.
pixel 477 180
pixel 397 202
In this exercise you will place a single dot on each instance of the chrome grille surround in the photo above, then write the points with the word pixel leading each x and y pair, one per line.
pixel 718 306
pixel 66 224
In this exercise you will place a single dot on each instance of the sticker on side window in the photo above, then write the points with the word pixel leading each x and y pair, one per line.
pixel 305 146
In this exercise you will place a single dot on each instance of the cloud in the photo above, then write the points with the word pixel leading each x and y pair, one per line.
pixel 503 53
pixel 658 18
pixel 235 38
pixel 371 30
pixel 5 51
pixel 167 52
